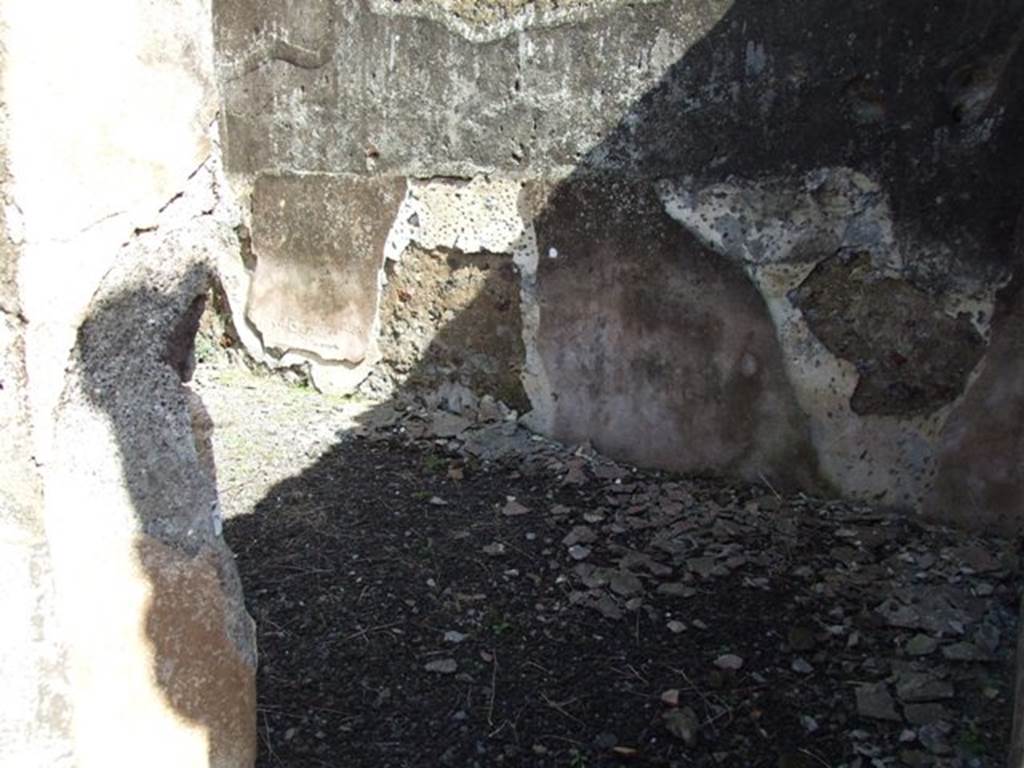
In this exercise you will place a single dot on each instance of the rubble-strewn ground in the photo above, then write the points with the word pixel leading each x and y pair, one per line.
pixel 434 589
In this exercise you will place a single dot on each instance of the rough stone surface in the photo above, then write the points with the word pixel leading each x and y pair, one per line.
pixel 318 242
pixel 450 316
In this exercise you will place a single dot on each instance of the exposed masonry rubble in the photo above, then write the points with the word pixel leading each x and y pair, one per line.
pixel 810 301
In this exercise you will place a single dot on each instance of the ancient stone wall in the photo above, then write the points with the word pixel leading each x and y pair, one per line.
pixel 766 244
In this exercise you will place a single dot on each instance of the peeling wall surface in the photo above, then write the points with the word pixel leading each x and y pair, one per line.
pixel 769 245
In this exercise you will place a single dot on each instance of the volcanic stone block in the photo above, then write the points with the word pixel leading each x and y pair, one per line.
pixel 319 247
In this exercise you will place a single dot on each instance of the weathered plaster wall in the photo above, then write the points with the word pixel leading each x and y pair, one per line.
pixel 747 242
pixel 35 725
pixel 125 639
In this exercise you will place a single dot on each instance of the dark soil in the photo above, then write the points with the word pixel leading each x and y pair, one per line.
pixel 357 568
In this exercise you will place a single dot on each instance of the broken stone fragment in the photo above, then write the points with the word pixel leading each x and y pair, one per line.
pixel 607 607
pixel 729 661
pixel 802 666
pixel 444 424
pixel 683 724
pixel 897 615
pixel 917 687
pixel 965 652
pixel 676 589
pixel 875 701
pixel 921 645
pixel 442 666
pixel 580 534
pixel 592 577
pixel 579 552
pixel 513 508
pixel 706 567
pixel 625 583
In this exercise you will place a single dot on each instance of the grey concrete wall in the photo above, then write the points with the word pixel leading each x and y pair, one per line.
pixel 749 241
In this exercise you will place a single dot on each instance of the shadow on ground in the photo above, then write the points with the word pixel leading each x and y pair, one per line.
pixel 355 574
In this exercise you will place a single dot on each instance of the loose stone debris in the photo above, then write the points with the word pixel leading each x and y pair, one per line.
pixel 560 609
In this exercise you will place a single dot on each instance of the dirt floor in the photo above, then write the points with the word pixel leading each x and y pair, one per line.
pixel 443 589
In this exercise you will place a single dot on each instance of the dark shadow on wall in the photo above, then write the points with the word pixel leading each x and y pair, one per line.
pixel 133 355
pixel 927 107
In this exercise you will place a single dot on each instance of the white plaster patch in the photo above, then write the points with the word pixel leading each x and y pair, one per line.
pixel 475 216
pixel 785 219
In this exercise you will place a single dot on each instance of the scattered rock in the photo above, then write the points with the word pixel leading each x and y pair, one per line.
pixel 445 424
pixel 625 583
pixel 917 687
pixel 676 589
pixel 921 645
pixel 683 724
pixel 875 701
pixel 964 652
pixel 729 661
pixel 579 552
pixel 676 627
pixel 580 534
pixel 802 666
pixel 442 666
pixel 513 508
